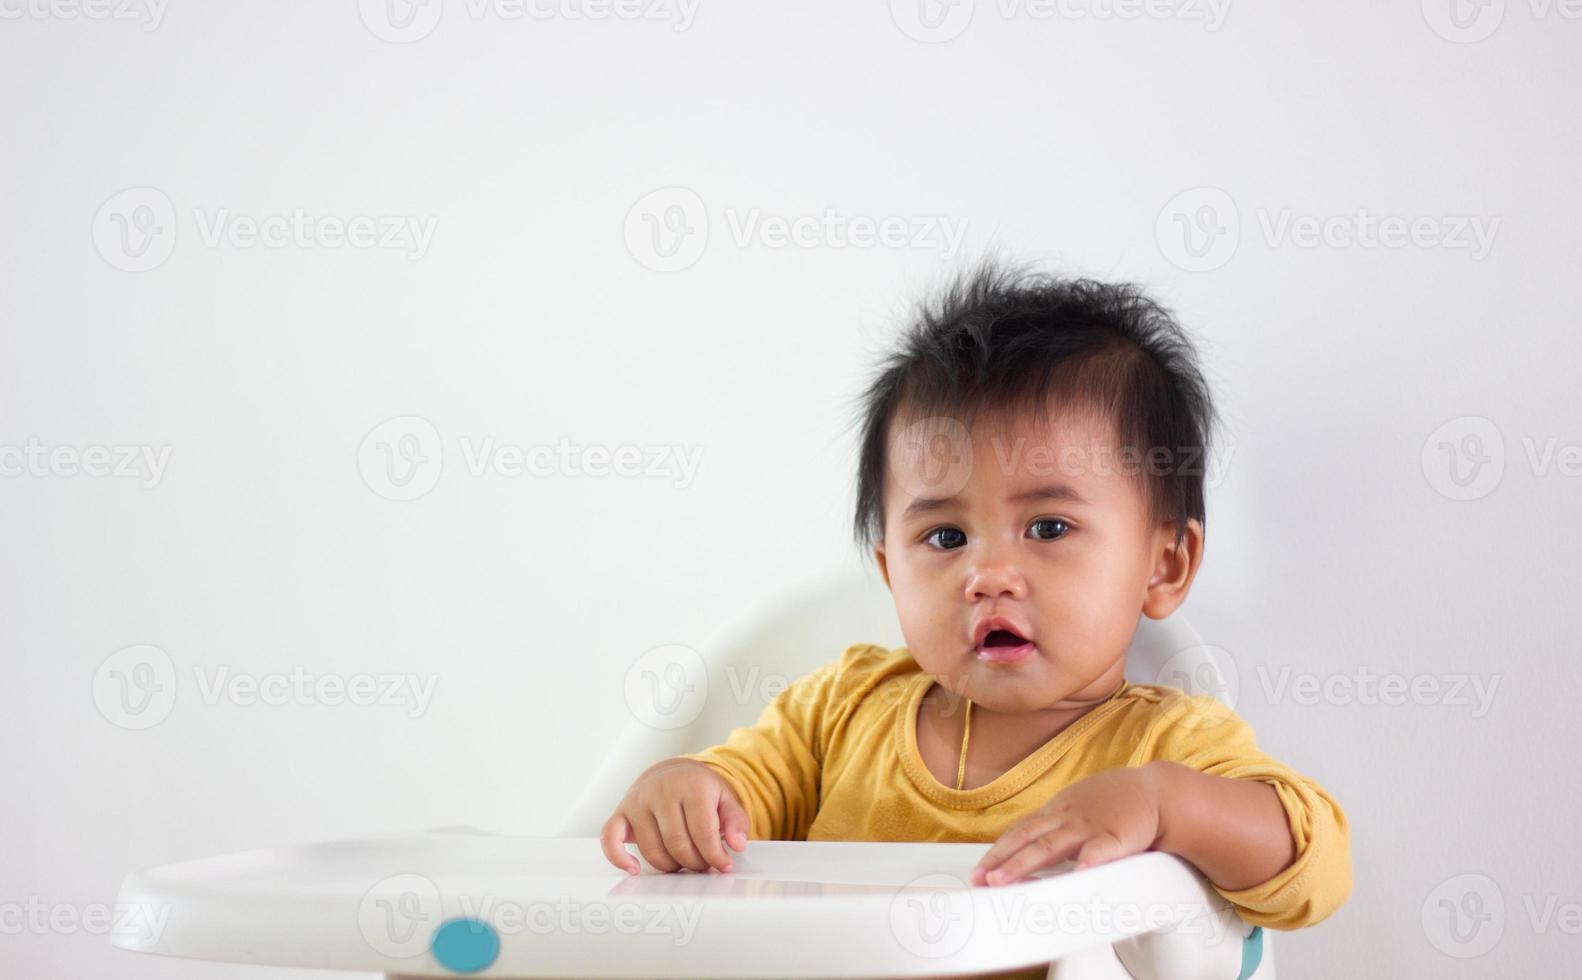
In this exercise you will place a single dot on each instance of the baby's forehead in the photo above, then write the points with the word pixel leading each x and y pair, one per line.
pixel 1068 428
pixel 1009 452
pixel 1012 436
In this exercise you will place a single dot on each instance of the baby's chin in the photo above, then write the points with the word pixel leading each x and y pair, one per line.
pixel 1030 685
pixel 1022 698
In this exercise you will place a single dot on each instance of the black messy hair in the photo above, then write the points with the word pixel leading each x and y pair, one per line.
pixel 1005 340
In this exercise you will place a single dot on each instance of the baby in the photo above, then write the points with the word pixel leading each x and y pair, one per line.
pixel 1030 484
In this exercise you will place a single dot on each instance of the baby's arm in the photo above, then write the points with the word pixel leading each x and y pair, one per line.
pixel 1234 831
pixel 1271 841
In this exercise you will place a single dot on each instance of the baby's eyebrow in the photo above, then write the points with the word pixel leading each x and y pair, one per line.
pixel 1049 491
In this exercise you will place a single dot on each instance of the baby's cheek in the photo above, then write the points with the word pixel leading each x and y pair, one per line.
pixel 926 619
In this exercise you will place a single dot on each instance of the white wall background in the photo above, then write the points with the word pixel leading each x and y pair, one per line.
pixel 1335 544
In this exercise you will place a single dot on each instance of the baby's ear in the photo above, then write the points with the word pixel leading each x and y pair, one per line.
pixel 884 568
pixel 1175 566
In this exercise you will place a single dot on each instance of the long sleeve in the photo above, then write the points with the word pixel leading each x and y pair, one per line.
pixel 1202 733
pixel 774 764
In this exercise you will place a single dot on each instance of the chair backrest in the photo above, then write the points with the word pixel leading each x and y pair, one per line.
pixel 726 681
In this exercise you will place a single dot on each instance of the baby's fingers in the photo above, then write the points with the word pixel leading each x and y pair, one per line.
pixel 1015 837
pixel 676 834
pixel 617 831
pixel 650 842
pixel 703 822
pixel 1042 851
pixel 1100 849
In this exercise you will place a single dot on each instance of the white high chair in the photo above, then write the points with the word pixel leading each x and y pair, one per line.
pixel 457 901
pixel 808 624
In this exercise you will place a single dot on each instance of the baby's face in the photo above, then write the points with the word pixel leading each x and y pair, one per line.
pixel 1043 527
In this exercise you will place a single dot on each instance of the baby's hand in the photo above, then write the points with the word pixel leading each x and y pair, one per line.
pixel 1108 815
pixel 676 811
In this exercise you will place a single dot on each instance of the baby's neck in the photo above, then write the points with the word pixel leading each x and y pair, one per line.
pixel 1001 739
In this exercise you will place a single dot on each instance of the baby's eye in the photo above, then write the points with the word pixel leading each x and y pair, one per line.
pixel 954 534
pixel 1047 522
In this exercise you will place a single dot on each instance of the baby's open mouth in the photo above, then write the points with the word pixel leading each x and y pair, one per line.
pixel 1003 638
pixel 1003 646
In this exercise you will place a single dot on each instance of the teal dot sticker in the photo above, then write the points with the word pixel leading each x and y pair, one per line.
pixel 465 945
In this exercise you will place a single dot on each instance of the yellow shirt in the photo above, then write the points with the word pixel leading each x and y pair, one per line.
pixel 834 757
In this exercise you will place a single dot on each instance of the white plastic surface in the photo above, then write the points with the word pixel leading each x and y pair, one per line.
pixel 789 909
